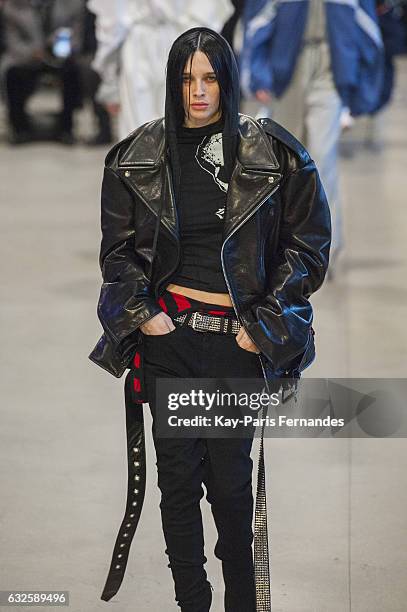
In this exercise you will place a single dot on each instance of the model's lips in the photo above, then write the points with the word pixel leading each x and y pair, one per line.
pixel 200 105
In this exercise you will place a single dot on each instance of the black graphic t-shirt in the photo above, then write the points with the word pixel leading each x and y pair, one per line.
pixel 201 208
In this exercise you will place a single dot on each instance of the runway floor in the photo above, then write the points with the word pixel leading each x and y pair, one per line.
pixel 337 508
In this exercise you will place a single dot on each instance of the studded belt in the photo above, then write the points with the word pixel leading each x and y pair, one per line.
pixel 209 323
pixel 136 485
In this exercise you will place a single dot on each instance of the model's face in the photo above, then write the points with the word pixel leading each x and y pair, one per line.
pixel 201 92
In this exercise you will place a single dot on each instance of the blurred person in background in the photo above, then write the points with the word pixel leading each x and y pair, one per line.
pixel 134 37
pixel 1 28
pixel 232 30
pixel 317 63
pixel 90 81
pixel 40 36
pixel 392 15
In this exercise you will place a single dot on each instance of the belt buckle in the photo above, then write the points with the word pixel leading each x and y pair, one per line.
pixel 194 319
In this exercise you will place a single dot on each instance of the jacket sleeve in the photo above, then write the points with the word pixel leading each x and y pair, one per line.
pixel 255 56
pixel 213 14
pixel 283 317
pixel 125 298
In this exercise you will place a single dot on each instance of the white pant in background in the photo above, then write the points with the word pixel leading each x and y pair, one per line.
pixel 311 108
pixel 142 76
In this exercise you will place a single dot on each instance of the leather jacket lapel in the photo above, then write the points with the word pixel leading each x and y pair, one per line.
pixel 248 189
pixel 146 171
pixel 255 177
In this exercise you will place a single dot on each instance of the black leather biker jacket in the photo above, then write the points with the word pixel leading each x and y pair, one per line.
pixel 275 246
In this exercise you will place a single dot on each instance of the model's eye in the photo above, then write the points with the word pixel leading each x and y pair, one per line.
pixel 212 78
pixel 186 78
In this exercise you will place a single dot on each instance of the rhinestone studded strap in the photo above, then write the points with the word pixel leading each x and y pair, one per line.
pixel 261 536
pixel 136 462
pixel 261 551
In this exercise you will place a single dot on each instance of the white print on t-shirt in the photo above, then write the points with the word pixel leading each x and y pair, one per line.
pixel 220 212
pixel 209 156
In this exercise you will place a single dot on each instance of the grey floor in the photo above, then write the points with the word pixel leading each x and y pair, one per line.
pixel 337 508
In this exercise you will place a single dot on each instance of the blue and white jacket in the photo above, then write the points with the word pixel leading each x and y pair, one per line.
pixel 273 32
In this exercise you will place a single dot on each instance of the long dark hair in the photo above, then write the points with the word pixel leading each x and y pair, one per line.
pixel 223 62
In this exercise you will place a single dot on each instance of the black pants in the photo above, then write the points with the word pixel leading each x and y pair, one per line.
pixel 224 466
pixel 21 82
pixel 90 81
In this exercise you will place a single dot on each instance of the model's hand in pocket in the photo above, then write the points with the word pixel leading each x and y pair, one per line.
pixel 245 342
pixel 158 325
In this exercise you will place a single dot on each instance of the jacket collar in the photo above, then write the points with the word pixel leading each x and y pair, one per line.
pixel 255 176
pixel 255 151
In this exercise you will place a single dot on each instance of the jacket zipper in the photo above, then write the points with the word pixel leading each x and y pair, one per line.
pixel 231 234
pixel 225 275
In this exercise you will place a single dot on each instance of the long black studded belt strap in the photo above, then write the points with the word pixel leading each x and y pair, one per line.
pixel 136 485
